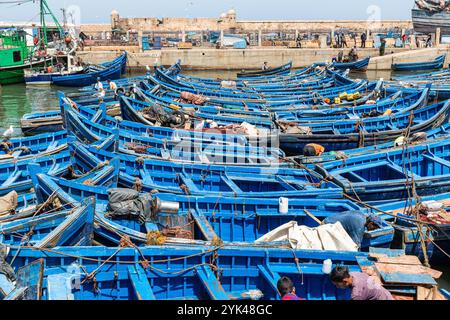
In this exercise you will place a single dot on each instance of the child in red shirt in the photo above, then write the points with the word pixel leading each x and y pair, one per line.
pixel 287 290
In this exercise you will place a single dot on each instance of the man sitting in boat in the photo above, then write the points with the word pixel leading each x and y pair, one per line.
pixel 265 66
pixel 101 95
pixel 99 85
pixel 313 150
pixel 353 55
pixel 113 87
pixel 340 56
pixel 362 286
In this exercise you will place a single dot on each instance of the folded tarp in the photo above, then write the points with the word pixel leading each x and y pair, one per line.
pixel 8 203
pixel 325 237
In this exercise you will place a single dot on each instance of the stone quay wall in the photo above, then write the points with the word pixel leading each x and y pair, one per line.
pixel 238 59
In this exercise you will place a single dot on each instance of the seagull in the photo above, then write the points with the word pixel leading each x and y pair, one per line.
pixel 8 133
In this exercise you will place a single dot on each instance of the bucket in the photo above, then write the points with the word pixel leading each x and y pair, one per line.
pixel 284 206
pixel 327 266
pixel 169 207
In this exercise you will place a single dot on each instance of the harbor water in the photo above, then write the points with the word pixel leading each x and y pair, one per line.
pixel 17 100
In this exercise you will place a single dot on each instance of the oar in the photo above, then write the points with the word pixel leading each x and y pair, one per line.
pixel 313 217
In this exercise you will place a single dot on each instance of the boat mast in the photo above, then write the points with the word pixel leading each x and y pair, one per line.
pixel 44 11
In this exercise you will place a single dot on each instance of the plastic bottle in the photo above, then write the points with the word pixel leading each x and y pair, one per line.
pixel 284 206
pixel 327 266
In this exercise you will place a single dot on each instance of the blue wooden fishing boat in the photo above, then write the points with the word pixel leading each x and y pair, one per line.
pixel 440 90
pixel 442 132
pixel 438 63
pixel 72 227
pixel 179 272
pixel 281 70
pixel 51 121
pixel 14 175
pixel 429 76
pixel 157 95
pixel 384 176
pixel 25 146
pixel 435 230
pixel 295 87
pixel 41 122
pixel 352 134
pixel 360 65
pixel 169 134
pixel 250 82
pixel 111 70
pixel 177 150
pixel 202 179
pixel 147 113
pixel 426 21
pixel 121 83
pixel 190 273
pixel 316 81
pixel 280 98
pixel 396 104
pixel 233 220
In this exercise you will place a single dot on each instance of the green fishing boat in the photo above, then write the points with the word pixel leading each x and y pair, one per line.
pixel 16 56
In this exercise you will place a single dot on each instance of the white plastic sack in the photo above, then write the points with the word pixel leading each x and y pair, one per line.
pixel 251 130
pixel 433 206
pixel 228 84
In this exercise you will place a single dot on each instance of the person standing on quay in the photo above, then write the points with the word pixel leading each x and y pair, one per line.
pixel 382 47
pixel 363 40
pixel 344 41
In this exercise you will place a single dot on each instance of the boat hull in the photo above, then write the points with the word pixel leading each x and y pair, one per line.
pixel 39 79
pixel 14 75
pixel 407 237
pixel 113 71
pixel 425 22
pixel 437 64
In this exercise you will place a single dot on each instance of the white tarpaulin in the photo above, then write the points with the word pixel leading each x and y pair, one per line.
pixel 325 237
pixel 8 203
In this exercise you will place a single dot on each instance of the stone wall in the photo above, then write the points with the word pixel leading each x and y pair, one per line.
pixel 95 28
pixel 229 21
pixel 237 59
pixel 203 24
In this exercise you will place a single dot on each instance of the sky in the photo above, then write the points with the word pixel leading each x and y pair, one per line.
pixel 98 11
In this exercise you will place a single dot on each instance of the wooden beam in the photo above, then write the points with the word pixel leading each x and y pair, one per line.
pixel 424 293
pixel 271 277
pixel 405 260
pixel 407 269
pixel 211 284
pixel 203 224
pixel 140 284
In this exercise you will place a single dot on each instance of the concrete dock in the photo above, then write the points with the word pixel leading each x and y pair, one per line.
pixel 252 58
